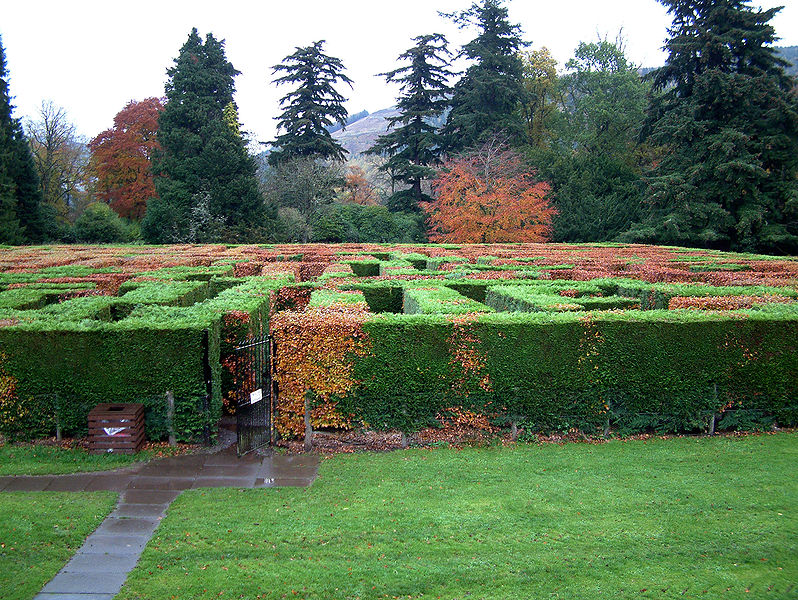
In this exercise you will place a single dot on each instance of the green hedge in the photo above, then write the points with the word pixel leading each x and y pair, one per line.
pixel 439 299
pixel 642 370
pixel 68 357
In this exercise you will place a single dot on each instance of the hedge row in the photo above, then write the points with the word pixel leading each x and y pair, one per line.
pixel 637 370
pixel 509 298
pixel 58 362
pixel 439 300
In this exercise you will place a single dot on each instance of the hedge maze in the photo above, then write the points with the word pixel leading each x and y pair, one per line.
pixel 540 336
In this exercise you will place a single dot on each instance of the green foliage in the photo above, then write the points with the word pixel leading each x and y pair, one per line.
pixel 204 177
pixel 357 223
pixel 660 370
pixel 439 300
pixel 311 108
pixel 158 336
pixel 726 116
pixel 593 161
pixel 486 99
pixel 99 224
pixel 412 144
pixel 325 298
pixel 21 215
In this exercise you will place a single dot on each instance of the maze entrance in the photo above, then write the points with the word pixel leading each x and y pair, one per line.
pixel 254 405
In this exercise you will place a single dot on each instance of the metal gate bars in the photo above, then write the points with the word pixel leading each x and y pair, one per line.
pixel 254 402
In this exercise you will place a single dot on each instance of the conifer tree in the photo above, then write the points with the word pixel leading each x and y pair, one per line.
pixel 413 143
pixel 486 99
pixel 312 107
pixel 21 216
pixel 729 127
pixel 204 177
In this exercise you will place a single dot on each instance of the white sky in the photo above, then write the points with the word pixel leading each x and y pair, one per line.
pixel 92 57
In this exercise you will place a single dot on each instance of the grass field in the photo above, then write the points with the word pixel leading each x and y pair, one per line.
pixel 40 531
pixel 31 459
pixel 678 518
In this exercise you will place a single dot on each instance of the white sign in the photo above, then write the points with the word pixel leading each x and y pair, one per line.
pixel 256 396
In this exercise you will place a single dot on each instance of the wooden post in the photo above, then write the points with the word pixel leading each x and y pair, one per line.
pixel 308 427
pixel 170 418
pixel 514 431
pixel 58 433
pixel 405 441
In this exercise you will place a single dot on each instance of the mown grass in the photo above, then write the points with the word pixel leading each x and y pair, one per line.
pixel 36 459
pixel 40 531
pixel 679 518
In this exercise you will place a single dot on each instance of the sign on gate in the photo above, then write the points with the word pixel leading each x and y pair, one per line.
pixel 254 406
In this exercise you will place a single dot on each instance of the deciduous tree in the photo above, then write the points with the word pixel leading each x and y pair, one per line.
pixel 121 158
pixel 413 144
pixel 357 188
pixel 61 159
pixel 305 184
pixel 312 107
pixel 541 97
pixel 594 162
pixel 488 196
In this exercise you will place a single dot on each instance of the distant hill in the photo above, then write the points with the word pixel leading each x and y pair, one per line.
pixel 360 135
pixel 790 54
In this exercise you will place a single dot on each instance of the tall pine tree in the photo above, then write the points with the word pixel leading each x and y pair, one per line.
pixel 413 143
pixel 311 108
pixel 486 100
pixel 21 216
pixel 729 126
pixel 204 177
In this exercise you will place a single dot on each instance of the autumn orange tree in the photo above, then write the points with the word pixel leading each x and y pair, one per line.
pixel 120 158
pixel 357 188
pixel 489 196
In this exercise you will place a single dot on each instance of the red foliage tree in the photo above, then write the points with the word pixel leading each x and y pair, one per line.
pixel 487 196
pixel 120 158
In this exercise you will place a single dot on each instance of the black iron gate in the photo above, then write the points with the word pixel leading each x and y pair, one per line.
pixel 254 407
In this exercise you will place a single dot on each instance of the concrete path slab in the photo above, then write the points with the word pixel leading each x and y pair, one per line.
pixel 100 567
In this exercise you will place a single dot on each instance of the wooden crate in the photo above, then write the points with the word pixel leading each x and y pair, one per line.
pixel 116 427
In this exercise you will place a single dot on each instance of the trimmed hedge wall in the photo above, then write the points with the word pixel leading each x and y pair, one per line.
pixel 439 299
pixel 57 363
pixel 660 370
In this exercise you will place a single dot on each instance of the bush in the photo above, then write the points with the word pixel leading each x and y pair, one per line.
pixel 100 224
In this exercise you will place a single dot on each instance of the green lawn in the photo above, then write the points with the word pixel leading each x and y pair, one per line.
pixel 680 518
pixel 40 531
pixel 32 459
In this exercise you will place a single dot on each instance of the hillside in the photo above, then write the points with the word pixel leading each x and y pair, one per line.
pixel 360 135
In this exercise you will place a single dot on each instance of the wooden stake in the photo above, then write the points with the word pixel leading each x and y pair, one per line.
pixel 170 418
pixel 308 428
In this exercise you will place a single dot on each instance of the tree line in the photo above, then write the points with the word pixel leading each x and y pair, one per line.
pixel 700 152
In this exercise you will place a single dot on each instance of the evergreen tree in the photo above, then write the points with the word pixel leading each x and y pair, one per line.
pixel 21 216
pixel 729 126
pixel 413 143
pixel 311 108
pixel 487 98
pixel 594 164
pixel 204 177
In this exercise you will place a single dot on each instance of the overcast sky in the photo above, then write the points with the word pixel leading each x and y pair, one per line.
pixel 92 57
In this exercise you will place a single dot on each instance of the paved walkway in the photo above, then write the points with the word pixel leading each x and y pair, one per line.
pixel 100 567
